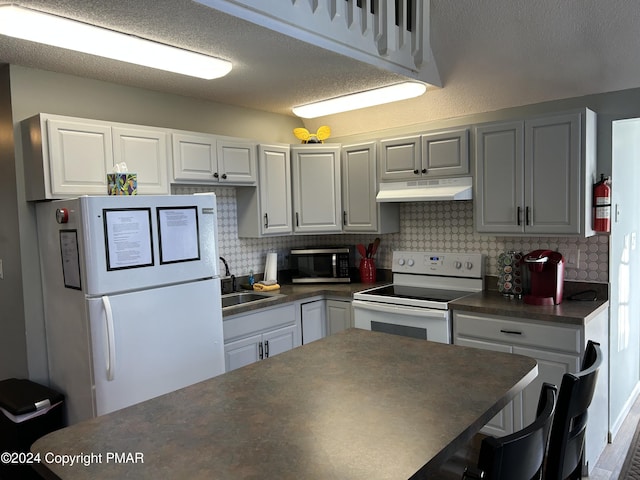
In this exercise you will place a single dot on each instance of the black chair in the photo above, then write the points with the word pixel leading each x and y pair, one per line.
pixel 519 456
pixel 566 442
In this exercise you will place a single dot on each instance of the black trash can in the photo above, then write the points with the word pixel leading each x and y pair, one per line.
pixel 28 411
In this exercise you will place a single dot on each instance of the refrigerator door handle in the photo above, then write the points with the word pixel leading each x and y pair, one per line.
pixel 111 347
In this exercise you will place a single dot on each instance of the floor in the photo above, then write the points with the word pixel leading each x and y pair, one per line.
pixel 611 460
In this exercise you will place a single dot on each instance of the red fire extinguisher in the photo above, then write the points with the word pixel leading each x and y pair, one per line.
pixel 602 205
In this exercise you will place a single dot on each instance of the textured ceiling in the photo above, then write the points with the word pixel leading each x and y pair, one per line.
pixel 490 53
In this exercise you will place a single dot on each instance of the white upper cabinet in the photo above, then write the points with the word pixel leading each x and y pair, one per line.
pixel 400 158
pixel 445 153
pixel 210 159
pixel 317 199
pixel 433 154
pixel 237 161
pixel 66 156
pixel 535 176
pixel 361 212
pixel 146 152
pixel 194 157
pixel 266 209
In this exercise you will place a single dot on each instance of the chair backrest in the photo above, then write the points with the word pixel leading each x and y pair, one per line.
pixel 520 455
pixel 566 442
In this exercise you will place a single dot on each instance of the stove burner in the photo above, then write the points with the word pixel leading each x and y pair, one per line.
pixel 417 293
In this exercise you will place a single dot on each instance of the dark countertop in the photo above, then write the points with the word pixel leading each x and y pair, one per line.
pixel 293 292
pixel 493 303
pixel 355 405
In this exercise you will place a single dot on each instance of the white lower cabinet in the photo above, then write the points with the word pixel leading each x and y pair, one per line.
pixel 339 316
pixel 255 336
pixel 322 317
pixel 314 320
pixel 558 349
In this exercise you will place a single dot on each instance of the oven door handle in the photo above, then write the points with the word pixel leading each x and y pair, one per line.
pixel 398 309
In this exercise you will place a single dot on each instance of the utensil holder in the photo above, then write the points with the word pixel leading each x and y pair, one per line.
pixel 367 270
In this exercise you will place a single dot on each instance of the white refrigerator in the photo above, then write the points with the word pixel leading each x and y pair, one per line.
pixel 131 297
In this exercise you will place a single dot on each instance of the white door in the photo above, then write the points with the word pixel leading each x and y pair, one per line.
pixel 279 341
pixel 242 352
pixel 236 161
pixel 155 341
pixel 314 321
pixel 275 189
pixel 145 153
pixel 80 155
pixel 317 198
pixel 359 188
pixel 194 157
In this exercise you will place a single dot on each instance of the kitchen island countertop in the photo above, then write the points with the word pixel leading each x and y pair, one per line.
pixel 355 405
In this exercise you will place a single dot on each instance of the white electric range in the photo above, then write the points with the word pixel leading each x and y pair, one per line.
pixel 417 303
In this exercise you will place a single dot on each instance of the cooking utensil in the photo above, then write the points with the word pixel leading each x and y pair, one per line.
pixel 369 247
pixel 376 244
pixel 361 250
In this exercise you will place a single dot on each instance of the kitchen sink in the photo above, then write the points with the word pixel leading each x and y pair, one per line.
pixel 241 298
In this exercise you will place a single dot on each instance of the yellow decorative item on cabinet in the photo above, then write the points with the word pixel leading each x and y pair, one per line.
pixel 320 136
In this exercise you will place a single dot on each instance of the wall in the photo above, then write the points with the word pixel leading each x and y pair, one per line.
pixel 13 361
pixel 35 91
pixel 438 226
pixel 625 270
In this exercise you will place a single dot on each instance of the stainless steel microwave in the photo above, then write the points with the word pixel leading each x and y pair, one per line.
pixel 321 264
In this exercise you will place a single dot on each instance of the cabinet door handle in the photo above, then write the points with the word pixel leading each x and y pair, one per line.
pixel 224 176
pixel 519 211
pixel 266 349
pixel 344 218
pixel 266 221
pixel 511 332
pixel 527 212
pixel 424 170
pixel 416 171
pixel 260 351
pixel 215 175
pixel 297 220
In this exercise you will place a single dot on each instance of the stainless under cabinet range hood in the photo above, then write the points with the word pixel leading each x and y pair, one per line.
pixel 456 188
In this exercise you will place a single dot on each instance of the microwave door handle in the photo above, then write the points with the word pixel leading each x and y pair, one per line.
pixel 334 264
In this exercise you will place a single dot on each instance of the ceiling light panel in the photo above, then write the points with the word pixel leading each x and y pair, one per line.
pixel 354 101
pixel 62 32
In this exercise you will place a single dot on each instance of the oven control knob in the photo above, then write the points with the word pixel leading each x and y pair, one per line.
pixel 401 262
pixel 410 262
pixel 458 265
pixel 469 265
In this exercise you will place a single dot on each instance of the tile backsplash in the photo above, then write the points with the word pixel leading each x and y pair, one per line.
pixel 438 226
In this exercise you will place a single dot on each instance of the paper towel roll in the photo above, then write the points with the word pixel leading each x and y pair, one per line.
pixel 271 267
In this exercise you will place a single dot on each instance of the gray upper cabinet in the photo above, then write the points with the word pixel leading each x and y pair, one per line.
pixel 535 176
pixel 433 154
pixel 361 212
pixel 400 158
pixel 445 153
pixel 266 209
pixel 317 198
pixel 210 159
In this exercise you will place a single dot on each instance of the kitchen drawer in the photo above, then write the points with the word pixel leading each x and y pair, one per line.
pixel 513 332
pixel 258 321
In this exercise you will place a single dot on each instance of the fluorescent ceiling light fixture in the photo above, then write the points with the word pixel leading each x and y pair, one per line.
pixel 62 32
pixel 354 101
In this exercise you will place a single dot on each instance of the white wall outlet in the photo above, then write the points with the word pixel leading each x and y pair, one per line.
pixel 572 258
